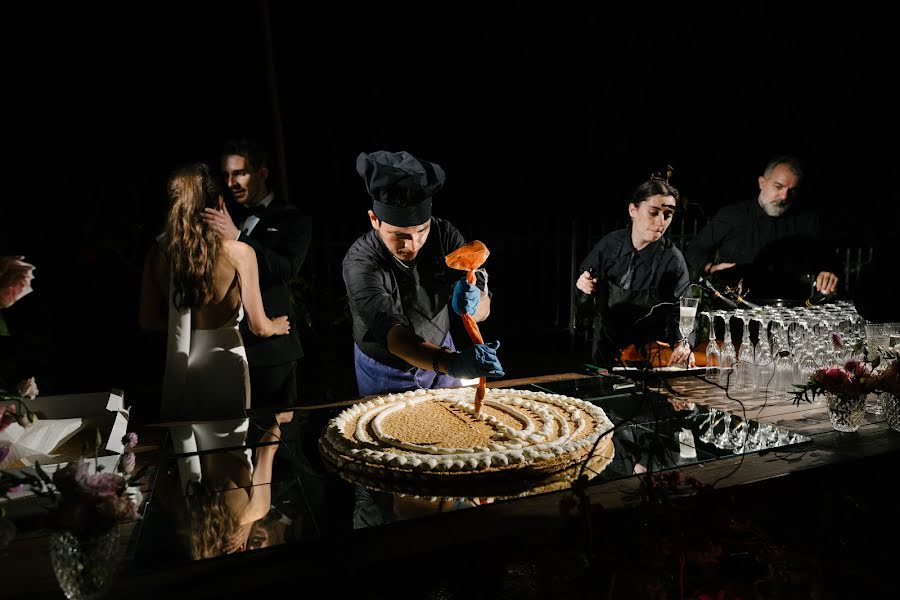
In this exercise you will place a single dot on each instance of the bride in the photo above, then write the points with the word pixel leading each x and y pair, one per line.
pixel 207 283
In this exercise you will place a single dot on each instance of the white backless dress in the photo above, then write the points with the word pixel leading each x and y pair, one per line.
pixel 206 382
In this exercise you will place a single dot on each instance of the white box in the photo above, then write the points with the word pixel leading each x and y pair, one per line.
pixel 67 423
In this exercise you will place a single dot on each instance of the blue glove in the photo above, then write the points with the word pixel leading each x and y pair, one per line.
pixel 478 361
pixel 466 297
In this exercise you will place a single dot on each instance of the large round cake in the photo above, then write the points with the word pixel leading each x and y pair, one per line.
pixel 433 443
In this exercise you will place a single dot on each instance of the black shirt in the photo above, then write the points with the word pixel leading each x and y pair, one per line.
pixel 383 292
pixel 660 265
pixel 743 233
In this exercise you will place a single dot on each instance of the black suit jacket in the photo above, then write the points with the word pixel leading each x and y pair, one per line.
pixel 281 240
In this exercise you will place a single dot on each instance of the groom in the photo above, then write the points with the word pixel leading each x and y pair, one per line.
pixel 280 235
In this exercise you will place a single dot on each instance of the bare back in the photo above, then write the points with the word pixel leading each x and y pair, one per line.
pixel 236 264
pixel 227 300
pixel 227 292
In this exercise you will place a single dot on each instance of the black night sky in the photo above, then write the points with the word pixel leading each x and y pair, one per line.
pixel 543 120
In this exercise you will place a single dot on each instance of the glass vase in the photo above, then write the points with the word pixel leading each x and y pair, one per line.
pixel 847 412
pixel 84 564
pixel 892 410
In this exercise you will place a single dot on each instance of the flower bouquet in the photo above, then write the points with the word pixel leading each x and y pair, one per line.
pixel 80 498
pixel 85 506
pixel 845 389
pixel 854 378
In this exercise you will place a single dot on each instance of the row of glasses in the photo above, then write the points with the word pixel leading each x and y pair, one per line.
pixel 792 343
pixel 728 432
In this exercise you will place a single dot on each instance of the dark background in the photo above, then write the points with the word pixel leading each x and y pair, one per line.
pixel 544 122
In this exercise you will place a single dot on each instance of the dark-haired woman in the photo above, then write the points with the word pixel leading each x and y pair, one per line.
pixel 635 277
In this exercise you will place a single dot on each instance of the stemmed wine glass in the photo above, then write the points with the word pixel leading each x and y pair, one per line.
pixel 712 347
pixel 687 314
pixel 726 356
pixel 745 367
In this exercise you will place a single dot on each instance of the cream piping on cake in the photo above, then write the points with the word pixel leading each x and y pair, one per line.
pixel 509 449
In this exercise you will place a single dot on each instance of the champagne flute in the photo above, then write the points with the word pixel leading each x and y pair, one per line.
pixel 712 347
pixel 687 314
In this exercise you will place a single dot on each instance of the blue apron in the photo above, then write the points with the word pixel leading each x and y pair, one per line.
pixel 373 377
pixel 371 507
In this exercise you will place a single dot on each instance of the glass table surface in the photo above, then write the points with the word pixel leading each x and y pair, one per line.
pixel 209 503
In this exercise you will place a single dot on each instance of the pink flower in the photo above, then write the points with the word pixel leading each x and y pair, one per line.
pixel 832 379
pixel 91 501
pixel 857 368
pixel 837 340
pixel 74 479
pixel 15 280
pixel 28 388
pixel 854 378
pixel 100 485
pixel 128 462
pixel 130 439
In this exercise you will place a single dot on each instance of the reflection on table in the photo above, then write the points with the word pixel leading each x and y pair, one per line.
pixel 271 487
pixel 240 486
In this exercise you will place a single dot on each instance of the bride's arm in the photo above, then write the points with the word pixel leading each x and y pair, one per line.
pixel 261 490
pixel 243 257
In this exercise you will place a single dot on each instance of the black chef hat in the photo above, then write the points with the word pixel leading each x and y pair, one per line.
pixel 401 186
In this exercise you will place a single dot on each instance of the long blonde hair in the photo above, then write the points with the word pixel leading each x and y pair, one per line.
pixel 192 247
pixel 205 523
pixel 212 524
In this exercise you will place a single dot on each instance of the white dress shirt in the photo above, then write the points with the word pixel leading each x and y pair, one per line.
pixel 251 221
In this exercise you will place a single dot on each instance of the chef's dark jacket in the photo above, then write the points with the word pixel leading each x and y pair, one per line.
pixel 383 292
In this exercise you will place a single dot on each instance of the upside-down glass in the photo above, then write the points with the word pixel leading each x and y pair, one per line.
pixel 687 315
pixel 877 340
pixel 712 347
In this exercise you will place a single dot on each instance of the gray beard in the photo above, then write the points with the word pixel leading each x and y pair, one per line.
pixel 774 210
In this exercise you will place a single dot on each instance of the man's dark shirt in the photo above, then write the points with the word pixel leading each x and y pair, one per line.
pixel 742 232
pixel 775 257
pixel 610 258
pixel 384 293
